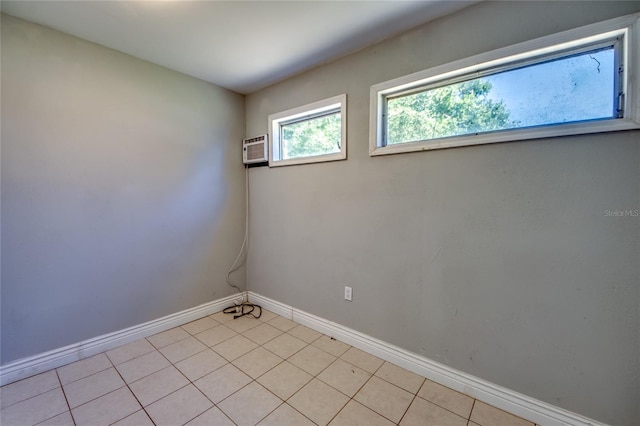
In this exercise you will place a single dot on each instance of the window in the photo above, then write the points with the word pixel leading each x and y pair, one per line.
pixel 309 134
pixel 576 82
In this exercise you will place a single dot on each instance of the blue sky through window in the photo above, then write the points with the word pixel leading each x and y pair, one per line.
pixel 569 89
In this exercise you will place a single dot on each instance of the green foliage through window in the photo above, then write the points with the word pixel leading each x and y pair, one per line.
pixel 316 136
pixel 457 109
pixel 573 88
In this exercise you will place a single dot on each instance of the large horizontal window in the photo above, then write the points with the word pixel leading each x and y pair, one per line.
pixel 309 134
pixel 572 83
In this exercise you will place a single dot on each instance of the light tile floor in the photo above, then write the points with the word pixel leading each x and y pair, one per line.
pixel 221 371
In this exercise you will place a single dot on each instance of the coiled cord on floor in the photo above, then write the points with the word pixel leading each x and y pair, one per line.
pixel 239 309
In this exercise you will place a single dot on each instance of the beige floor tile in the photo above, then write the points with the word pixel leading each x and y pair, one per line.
pixel 282 323
pixel 447 398
pixel 304 333
pixel 183 349
pixel 487 415
pixel 361 359
pixel 267 315
pixel 215 335
pixel 28 388
pixel 198 326
pixel 285 379
pixel 223 382
pixel 158 385
pixel 257 362
pixel 130 351
pixel 107 409
pixel 221 317
pixel 384 398
pixel 211 417
pixel 356 414
pixel 139 418
pixel 318 401
pixel 234 347
pixel 92 387
pixel 35 410
pixel 249 405
pixel 63 419
pixel 423 412
pixel 285 345
pixel 168 337
pixel 345 377
pixel 312 360
pixel 242 324
pixel 142 366
pixel 330 345
pixel 284 415
pixel 262 333
pixel 98 395
pixel 200 364
pixel 179 407
pixel 86 367
pixel 400 377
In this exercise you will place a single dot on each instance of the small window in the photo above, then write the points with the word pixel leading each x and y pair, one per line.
pixel 571 83
pixel 309 134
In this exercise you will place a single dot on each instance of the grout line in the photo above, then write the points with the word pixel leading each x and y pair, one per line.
pixel 142 407
pixel 222 341
pixel 99 396
pixel 269 413
pixel 153 348
pixel 471 412
pixel 299 412
pixel 170 343
pixel 32 396
pixel 190 383
pixel 65 396
pixel 409 406
pixel 88 375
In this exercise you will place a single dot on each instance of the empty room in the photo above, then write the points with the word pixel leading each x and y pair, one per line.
pixel 320 213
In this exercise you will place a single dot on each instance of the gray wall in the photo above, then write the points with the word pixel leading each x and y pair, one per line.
pixel 122 190
pixel 497 260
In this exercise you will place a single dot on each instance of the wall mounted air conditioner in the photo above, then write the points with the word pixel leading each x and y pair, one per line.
pixel 255 150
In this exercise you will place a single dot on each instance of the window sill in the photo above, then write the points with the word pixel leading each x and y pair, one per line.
pixel 314 159
pixel 558 130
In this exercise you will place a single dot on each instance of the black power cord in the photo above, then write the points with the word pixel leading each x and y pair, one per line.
pixel 251 307
pixel 244 308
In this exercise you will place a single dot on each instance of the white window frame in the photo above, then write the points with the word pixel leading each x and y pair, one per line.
pixel 311 110
pixel 626 27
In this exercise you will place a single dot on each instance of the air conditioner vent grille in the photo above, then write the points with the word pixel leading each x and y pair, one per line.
pixel 255 150
pixel 256 139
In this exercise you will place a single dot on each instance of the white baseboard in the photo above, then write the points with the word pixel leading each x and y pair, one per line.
pixel 526 407
pixel 537 411
pixel 45 361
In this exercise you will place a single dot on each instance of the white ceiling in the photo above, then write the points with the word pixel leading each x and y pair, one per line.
pixel 241 45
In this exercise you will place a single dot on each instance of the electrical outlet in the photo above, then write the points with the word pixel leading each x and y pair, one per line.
pixel 348 293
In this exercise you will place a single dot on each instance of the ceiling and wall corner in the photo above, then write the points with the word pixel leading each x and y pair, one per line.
pixel 243 46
